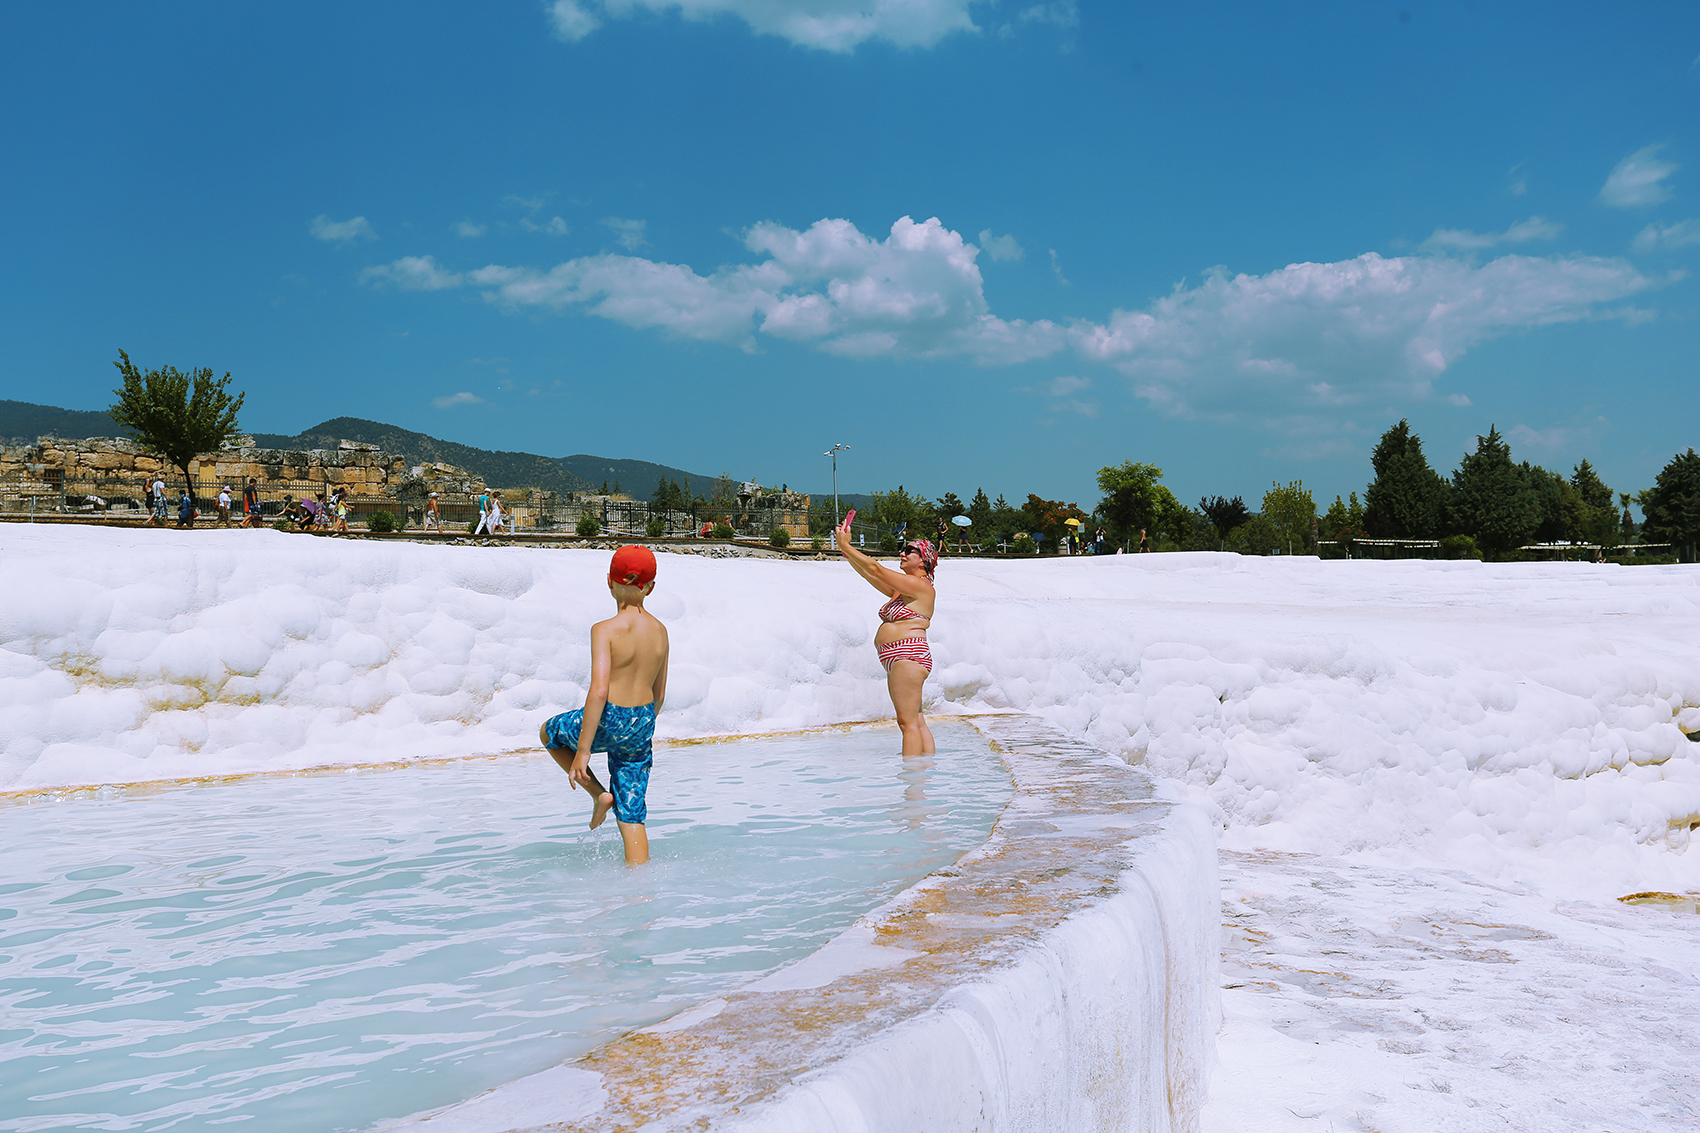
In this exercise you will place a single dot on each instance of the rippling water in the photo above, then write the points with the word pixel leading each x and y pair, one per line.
pixel 326 952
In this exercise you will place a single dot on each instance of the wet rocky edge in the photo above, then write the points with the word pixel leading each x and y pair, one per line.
pixel 1063 974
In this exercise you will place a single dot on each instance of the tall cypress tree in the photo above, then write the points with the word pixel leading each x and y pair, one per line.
pixel 1491 497
pixel 1408 498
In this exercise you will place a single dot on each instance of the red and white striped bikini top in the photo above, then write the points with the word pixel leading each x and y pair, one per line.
pixel 897 610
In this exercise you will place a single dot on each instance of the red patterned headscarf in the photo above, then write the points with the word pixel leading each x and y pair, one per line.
pixel 929 554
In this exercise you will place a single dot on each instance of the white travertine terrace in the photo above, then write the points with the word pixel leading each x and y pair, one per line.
pixel 1063 976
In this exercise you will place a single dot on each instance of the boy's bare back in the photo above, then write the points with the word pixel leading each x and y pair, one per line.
pixel 636 657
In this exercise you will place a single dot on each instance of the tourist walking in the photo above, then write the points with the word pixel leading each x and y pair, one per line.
pixel 224 505
pixel 483 527
pixel 340 500
pixel 901 640
pixel 157 491
pixel 251 504
pixel 433 521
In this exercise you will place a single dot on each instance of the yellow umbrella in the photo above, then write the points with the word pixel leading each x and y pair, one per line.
pixel 1071 522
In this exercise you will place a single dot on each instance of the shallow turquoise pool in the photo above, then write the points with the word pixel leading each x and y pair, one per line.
pixel 333 951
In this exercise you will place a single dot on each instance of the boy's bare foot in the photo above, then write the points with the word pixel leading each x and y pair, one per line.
pixel 600 808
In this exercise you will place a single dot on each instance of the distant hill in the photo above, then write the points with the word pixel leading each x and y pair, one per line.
pixel 22 422
pixel 582 473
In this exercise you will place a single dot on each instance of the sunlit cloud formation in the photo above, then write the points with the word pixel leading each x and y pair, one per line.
pixel 1310 333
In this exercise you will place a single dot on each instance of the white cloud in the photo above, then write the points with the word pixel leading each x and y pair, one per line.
pixel 1361 326
pixel 918 293
pixel 1545 440
pixel 827 25
pixel 413 273
pixel 1309 334
pixel 1535 228
pixel 341 231
pixel 1461 400
pixel 999 247
pixel 1056 266
pixel 1517 183
pixel 571 20
pixel 1678 235
pixel 555 226
pixel 629 232
pixel 529 204
pixel 1067 384
pixel 1638 180
pixel 1062 13
pixel 469 229
pixel 461 398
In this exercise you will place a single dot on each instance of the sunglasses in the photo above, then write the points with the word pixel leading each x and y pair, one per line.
pixel 912 549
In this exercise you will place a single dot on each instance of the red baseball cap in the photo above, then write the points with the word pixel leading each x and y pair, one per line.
pixel 632 566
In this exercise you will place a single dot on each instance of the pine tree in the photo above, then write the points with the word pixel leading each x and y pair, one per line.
pixel 1491 498
pixel 1407 498
pixel 1592 518
pixel 1670 509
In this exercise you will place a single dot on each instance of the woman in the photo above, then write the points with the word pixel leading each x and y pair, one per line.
pixel 901 641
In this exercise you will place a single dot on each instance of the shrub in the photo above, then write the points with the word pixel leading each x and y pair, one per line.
pixel 655 527
pixel 989 544
pixel 815 543
pixel 723 531
pixel 281 525
pixel 889 544
pixel 382 522
pixel 1023 545
pixel 1459 547
pixel 587 526
pixel 779 537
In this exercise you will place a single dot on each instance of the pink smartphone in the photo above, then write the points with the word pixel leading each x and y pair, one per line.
pixel 848 516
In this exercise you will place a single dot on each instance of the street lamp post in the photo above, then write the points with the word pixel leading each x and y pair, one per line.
pixel 833 452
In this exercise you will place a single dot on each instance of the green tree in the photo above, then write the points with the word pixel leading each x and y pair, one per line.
pixel 1256 536
pixel 1407 499
pixel 949 506
pixel 1200 534
pixel 1133 499
pixel 1670 509
pixel 1290 508
pixel 1224 514
pixel 1626 529
pixel 178 415
pixel 898 508
pixel 1341 523
pixel 1342 520
pixel 1557 503
pixel 1050 518
pixel 1491 498
pixel 1593 518
pixel 980 512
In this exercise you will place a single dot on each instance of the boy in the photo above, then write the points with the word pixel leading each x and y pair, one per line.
pixel 628 681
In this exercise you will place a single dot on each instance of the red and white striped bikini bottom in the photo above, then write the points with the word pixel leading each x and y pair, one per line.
pixel 906 649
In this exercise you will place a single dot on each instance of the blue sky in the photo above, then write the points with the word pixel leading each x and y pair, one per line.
pixel 984 244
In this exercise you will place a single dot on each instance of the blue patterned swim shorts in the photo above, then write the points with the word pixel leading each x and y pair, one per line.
pixel 626 735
